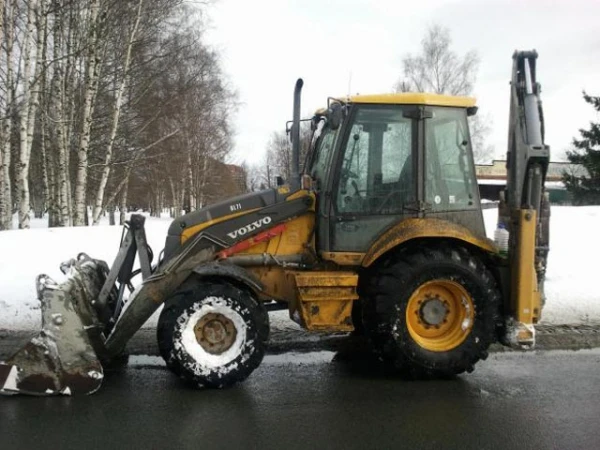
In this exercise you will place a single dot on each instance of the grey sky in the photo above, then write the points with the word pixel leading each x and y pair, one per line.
pixel 267 44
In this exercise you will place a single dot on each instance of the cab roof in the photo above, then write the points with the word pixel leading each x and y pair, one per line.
pixel 415 98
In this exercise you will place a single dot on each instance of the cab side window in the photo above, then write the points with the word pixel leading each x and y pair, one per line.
pixel 449 178
pixel 376 176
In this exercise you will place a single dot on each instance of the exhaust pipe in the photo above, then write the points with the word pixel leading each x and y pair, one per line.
pixel 295 181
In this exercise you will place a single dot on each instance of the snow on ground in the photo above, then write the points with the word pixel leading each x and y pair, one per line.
pixel 283 359
pixel 24 254
pixel 572 295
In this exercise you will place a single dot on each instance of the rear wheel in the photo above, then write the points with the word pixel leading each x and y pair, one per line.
pixel 431 311
pixel 212 334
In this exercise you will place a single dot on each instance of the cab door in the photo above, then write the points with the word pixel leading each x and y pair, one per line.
pixel 375 184
pixel 450 185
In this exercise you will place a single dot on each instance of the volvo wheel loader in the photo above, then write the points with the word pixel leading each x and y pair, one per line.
pixel 382 230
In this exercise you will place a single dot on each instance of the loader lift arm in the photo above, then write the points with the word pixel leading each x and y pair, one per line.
pixel 524 208
pixel 133 241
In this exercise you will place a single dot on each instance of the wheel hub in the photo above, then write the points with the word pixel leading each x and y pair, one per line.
pixel 433 311
pixel 439 315
pixel 215 333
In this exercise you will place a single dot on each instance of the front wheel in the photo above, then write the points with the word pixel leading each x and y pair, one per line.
pixel 212 334
pixel 432 311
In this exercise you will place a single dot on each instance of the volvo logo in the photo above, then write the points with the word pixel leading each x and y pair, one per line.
pixel 250 227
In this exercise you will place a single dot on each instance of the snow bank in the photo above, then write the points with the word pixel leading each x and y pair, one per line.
pixel 24 254
pixel 572 295
pixel 283 359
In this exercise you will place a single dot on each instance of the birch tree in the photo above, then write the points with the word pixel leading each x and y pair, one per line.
pixel 32 67
pixel 92 78
pixel 113 101
pixel 440 70
pixel 60 184
pixel 116 115
pixel 6 203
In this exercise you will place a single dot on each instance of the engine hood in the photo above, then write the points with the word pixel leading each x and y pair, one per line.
pixel 230 207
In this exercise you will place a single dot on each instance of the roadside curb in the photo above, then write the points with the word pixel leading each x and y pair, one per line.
pixel 549 337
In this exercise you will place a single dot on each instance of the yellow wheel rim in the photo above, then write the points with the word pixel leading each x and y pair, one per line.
pixel 439 315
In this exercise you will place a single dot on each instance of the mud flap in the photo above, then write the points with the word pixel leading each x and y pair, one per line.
pixel 62 358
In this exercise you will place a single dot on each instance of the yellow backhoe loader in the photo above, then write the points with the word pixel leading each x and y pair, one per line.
pixel 382 230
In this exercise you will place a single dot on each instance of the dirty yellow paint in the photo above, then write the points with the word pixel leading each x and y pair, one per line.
pixel 303 193
pixel 276 284
pixel 326 299
pixel 423 228
pixel 344 258
pixel 525 294
pixel 415 98
pixel 295 239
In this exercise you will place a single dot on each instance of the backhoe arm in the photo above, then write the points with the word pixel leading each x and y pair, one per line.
pixel 525 209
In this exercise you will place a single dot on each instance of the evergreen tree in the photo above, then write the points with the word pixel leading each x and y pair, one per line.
pixel 586 188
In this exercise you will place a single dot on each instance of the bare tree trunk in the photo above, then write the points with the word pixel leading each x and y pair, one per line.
pixel 174 197
pixel 138 154
pixel 43 96
pixel 115 118
pixel 61 185
pixel 157 201
pixel 6 203
pixel 178 193
pixel 203 177
pixel 24 148
pixel 111 214
pixel 43 161
pixel 53 210
pixel 1 21
pixel 123 203
pixel 69 109
pixel 190 181
pixel 2 181
pixel 91 86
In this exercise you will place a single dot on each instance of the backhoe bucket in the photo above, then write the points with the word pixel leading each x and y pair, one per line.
pixel 62 358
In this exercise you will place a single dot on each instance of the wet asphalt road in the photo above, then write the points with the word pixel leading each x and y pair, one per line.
pixel 544 400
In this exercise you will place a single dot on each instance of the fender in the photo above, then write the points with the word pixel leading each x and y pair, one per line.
pixel 424 228
pixel 229 271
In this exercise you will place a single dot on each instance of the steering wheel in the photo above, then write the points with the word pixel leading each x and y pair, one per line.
pixel 403 186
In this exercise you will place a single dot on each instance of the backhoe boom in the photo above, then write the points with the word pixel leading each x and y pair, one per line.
pixel 525 210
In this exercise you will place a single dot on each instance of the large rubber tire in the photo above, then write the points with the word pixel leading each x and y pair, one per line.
pixel 182 352
pixel 388 288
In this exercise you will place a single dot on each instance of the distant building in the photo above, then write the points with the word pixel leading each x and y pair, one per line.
pixel 491 179
pixel 223 181
pixel 238 178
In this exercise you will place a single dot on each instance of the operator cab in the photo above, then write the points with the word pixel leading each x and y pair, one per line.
pixel 379 159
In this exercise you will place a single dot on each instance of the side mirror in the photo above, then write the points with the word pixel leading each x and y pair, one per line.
pixel 335 115
pixel 279 181
pixel 314 122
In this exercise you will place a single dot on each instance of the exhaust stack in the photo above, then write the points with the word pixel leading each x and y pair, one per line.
pixel 295 181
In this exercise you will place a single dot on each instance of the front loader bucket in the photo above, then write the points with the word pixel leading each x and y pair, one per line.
pixel 62 358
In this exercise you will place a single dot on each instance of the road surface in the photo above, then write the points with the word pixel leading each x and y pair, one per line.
pixel 538 400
